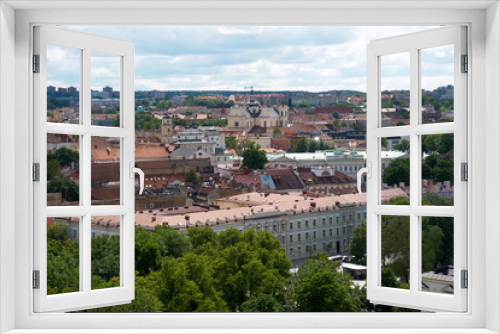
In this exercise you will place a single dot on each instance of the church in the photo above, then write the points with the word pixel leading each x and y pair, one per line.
pixel 252 113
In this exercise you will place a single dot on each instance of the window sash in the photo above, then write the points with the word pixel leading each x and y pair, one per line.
pixel 414 298
pixel 85 298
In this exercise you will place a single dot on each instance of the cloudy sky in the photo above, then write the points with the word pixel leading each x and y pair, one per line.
pixel 269 58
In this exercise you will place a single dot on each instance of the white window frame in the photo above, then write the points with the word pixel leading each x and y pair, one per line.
pixel 482 316
pixel 86 297
pixel 413 44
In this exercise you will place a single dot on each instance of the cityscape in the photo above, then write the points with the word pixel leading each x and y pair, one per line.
pixel 250 200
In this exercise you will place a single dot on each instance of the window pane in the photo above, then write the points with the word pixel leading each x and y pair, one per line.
pixel 395 252
pixel 105 82
pixel 395 89
pixel 395 169
pixel 105 251
pixel 437 79
pixel 437 255
pixel 105 171
pixel 438 169
pixel 63 170
pixel 63 84
pixel 63 255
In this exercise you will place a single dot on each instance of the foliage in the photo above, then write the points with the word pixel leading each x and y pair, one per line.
pixel 357 247
pixel 143 121
pixel 277 131
pixel 313 145
pixel 105 256
pixel 254 157
pixel 62 261
pixel 396 241
pixel 262 303
pixel 163 105
pixel 145 298
pixel 404 146
pixel 319 287
pixel 64 156
pixel 384 142
pixel 231 143
pixel 440 144
pixel 53 169
pixel 302 145
pixel 53 103
pixel 115 110
pixel 400 123
pixel 69 189
pixel 302 104
pixel 336 115
pixel 397 171
pixel 192 177
pixel 439 105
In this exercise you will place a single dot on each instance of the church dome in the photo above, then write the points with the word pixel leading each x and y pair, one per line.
pixel 254 108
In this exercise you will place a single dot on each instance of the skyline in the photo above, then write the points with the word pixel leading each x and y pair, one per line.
pixel 291 58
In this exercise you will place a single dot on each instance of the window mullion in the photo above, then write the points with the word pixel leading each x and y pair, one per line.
pixel 415 172
pixel 85 179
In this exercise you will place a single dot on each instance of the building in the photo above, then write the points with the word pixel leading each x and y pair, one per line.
pixel 326 180
pixel 347 162
pixel 304 225
pixel 252 113
pixel 167 130
pixel 194 139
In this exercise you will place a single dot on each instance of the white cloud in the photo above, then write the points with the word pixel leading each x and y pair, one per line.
pixel 302 58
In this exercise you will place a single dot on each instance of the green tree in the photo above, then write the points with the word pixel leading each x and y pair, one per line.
pixel 145 296
pixel 302 145
pixel 404 146
pixel 147 252
pixel 336 123
pixel 163 105
pixel 384 142
pixel 105 256
pixel 53 169
pixel 431 160
pixel 192 177
pixel 343 124
pixel 444 171
pixel 68 188
pixel 313 145
pixel 319 287
pixel 277 132
pixel 262 303
pixel 357 247
pixel 397 171
pixel 427 172
pixel 396 244
pixel 64 156
pixel 400 123
pixel 231 142
pixel 336 115
pixel 254 157
pixel 185 285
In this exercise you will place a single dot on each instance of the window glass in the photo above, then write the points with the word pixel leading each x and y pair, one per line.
pixel 63 84
pixel 63 255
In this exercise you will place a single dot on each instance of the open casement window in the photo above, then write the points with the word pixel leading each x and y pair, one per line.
pixel 434 200
pixel 75 156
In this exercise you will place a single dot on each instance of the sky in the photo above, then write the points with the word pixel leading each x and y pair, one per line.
pixel 309 58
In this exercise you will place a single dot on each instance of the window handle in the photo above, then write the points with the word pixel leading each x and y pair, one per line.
pixel 133 171
pixel 362 171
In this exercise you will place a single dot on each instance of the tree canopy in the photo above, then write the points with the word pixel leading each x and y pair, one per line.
pixel 254 157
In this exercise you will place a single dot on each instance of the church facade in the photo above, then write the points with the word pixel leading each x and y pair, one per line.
pixel 252 113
